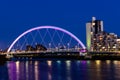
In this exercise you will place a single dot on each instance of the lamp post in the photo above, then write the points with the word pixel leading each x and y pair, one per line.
pixel 58 46
pixel 50 46
pixel 68 44
pixel 78 46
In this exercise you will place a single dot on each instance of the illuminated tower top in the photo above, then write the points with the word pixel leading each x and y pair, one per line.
pixel 93 18
pixel 97 25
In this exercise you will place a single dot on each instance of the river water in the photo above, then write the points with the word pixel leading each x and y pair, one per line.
pixel 60 70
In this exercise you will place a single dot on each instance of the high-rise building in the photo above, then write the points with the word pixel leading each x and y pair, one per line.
pixel 99 40
pixel 93 27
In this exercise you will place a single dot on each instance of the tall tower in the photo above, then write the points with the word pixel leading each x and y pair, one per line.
pixel 93 27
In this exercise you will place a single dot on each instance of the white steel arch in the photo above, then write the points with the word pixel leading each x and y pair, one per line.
pixel 46 27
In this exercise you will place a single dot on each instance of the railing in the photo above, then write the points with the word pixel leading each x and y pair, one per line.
pixel 47 51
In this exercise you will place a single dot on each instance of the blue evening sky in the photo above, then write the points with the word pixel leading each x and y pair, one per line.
pixel 17 16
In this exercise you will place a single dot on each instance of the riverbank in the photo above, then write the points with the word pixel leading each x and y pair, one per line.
pixel 69 57
pixel 3 57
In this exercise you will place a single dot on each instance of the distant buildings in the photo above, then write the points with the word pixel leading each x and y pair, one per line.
pixel 99 40
pixel 38 47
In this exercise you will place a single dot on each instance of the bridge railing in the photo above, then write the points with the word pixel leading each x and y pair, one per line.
pixel 49 50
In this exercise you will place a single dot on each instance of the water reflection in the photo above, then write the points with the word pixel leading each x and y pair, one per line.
pixel 26 66
pixel 49 63
pixel 3 71
pixel 98 63
pixel 50 69
pixel 17 70
pixel 116 68
pixel 58 61
pixel 12 71
pixel 98 69
pixel 108 62
pixel 68 64
pixel 115 62
pixel 88 62
pixel 60 70
pixel 68 71
pixel 36 70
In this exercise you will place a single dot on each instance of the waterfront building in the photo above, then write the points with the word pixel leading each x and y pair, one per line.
pixel 92 28
pixel 99 40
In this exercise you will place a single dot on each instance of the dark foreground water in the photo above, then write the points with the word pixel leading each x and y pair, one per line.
pixel 60 70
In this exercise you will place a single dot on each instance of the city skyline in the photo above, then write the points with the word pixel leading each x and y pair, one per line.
pixel 96 38
pixel 17 17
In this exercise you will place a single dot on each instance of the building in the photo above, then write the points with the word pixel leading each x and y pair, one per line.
pixel 93 27
pixel 99 40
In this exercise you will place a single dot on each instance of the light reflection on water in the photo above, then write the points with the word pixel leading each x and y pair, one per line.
pixel 98 62
pixel 26 66
pixel 49 63
pixel 61 70
pixel 17 70
pixel 36 70
pixel 68 67
pixel 108 62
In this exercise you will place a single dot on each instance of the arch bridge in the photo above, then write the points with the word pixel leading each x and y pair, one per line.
pixel 46 39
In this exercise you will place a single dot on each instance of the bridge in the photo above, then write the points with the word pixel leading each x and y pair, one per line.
pixel 52 42
pixel 46 40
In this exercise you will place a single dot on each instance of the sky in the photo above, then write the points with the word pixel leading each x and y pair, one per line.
pixel 17 16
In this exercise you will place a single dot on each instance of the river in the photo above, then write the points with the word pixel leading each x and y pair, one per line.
pixel 60 70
